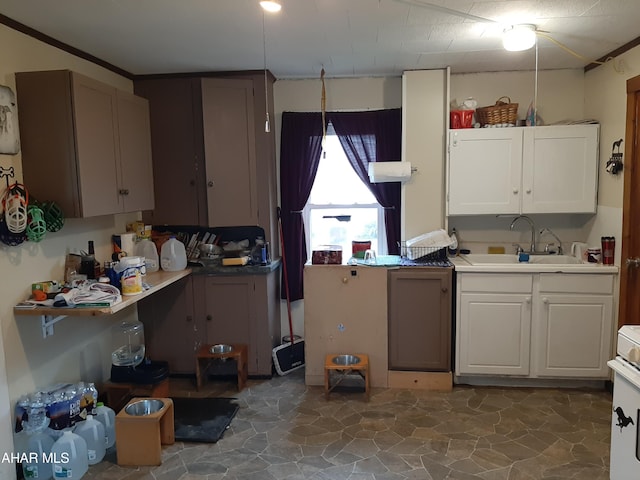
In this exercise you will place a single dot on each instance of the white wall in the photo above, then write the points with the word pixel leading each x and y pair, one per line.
pixel 81 347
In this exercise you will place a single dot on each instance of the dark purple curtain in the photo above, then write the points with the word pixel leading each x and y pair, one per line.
pixel 374 136
pixel 300 149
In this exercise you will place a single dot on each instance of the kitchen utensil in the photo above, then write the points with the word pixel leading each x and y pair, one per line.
pixel 579 250
pixel 208 250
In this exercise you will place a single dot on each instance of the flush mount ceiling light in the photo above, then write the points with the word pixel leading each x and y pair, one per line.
pixel 517 38
pixel 270 6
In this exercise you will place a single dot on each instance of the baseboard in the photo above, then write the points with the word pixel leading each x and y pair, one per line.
pixel 436 381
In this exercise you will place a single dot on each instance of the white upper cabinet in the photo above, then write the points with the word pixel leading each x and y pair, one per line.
pixel 523 170
pixel 560 169
pixel 485 168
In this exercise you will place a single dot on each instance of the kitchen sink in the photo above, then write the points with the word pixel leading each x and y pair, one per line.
pixel 506 259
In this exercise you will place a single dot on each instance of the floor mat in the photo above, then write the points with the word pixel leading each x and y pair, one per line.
pixel 202 419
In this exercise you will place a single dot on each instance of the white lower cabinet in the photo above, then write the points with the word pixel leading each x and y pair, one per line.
pixel 534 325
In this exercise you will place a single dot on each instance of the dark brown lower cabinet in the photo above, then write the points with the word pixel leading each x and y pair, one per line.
pixel 172 333
pixel 241 309
pixel 420 319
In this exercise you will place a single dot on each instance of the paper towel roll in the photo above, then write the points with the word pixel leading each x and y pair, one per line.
pixel 123 244
pixel 380 172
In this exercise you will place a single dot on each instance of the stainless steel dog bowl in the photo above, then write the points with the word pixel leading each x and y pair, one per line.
pixel 346 360
pixel 144 407
pixel 221 348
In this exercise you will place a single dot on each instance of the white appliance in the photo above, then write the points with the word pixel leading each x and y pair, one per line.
pixel 625 434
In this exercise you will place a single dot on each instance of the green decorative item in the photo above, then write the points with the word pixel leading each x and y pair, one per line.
pixel 53 216
pixel 37 227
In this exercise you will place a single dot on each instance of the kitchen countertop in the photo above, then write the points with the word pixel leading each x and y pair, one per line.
pixel 212 268
pixel 461 265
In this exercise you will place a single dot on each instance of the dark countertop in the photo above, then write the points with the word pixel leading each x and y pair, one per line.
pixel 216 269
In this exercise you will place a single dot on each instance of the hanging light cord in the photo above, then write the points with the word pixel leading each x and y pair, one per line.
pixel 323 105
pixel 267 124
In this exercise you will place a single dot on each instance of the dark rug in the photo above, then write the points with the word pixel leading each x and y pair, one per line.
pixel 202 419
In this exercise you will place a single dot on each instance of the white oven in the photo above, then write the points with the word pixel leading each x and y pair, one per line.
pixel 625 434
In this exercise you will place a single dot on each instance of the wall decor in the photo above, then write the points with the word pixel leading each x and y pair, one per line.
pixel 9 138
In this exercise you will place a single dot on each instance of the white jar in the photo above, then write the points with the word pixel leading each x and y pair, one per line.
pixel 173 255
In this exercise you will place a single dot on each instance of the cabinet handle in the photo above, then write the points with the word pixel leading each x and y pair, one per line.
pixel 210 183
pixel 209 318
pixel 123 191
pixel 189 318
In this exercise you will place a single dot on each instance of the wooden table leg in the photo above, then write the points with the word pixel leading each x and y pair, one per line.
pixel 198 374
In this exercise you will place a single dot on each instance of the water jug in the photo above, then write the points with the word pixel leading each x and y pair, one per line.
pixel 38 452
pixel 147 249
pixel 173 256
pixel 94 434
pixel 69 456
pixel 107 417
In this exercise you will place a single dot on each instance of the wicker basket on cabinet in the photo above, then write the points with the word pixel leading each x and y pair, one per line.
pixel 501 112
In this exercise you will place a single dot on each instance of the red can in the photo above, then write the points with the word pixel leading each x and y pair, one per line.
pixel 608 250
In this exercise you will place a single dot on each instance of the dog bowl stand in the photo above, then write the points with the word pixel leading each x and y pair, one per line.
pixel 238 352
pixel 139 438
pixel 361 368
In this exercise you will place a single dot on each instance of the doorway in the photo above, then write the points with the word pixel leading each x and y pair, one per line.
pixel 629 311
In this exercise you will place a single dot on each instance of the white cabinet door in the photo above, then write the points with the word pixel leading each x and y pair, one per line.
pixel 485 168
pixel 494 334
pixel 573 335
pixel 560 169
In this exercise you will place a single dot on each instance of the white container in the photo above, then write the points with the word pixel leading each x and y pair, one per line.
pixel 93 433
pixel 173 256
pixel 130 270
pixel 147 249
pixel 38 451
pixel 69 456
pixel 107 417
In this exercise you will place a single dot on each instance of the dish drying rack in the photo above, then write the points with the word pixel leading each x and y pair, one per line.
pixel 423 255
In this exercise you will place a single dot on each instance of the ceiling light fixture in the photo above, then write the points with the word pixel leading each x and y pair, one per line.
pixel 517 38
pixel 270 6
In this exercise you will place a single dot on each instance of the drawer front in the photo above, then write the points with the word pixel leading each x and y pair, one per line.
pixel 492 282
pixel 576 283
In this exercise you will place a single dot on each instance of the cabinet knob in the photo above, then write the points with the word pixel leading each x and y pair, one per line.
pixel 192 183
pixel 528 301
pixel 345 279
pixel 189 318
pixel 209 318
pixel 545 300
pixel 528 190
pixel 124 191
pixel 633 262
pixel 210 183
pixel 515 191
pixel 444 289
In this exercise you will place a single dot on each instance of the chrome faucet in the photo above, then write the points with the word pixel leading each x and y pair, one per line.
pixel 532 246
pixel 548 230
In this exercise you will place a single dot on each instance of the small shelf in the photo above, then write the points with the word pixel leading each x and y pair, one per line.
pixel 51 315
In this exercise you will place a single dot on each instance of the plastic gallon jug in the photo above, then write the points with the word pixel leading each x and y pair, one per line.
pixel 147 249
pixel 173 256
pixel 38 452
pixel 107 417
pixel 93 433
pixel 69 456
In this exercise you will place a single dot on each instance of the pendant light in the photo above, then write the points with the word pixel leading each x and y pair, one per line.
pixel 517 38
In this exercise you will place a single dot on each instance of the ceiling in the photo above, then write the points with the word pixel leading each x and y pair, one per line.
pixel 348 38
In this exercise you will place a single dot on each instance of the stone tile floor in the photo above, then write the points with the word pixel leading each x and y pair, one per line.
pixel 286 430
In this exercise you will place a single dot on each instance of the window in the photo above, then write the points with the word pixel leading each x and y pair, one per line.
pixel 341 208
